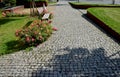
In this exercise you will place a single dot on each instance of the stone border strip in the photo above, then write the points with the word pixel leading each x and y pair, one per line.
pixel 104 26
pixel 89 6
pixel 14 9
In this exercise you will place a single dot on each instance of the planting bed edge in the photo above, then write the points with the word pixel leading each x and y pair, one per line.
pixel 104 26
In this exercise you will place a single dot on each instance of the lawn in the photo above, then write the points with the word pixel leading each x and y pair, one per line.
pixel 94 4
pixel 8 26
pixel 110 16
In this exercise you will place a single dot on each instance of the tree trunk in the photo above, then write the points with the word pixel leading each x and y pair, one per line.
pixel 32 8
pixel 113 2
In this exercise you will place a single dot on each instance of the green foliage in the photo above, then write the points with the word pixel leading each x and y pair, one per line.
pixel 110 16
pixel 51 16
pixel 36 33
pixel 36 0
pixel 10 2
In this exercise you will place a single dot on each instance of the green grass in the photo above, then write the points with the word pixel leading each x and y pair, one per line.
pixel 8 40
pixel 110 16
pixel 86 3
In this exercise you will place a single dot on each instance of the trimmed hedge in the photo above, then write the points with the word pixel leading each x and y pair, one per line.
pixel 26 3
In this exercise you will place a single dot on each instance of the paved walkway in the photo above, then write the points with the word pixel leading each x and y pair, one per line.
pixel 77 49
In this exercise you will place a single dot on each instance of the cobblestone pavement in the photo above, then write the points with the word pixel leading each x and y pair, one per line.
pixel 78 49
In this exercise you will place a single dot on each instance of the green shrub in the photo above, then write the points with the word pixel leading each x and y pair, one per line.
pixel 36 33
pixel 51 16
pixel 10 2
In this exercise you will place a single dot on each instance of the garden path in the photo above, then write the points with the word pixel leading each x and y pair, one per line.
pixel 78 49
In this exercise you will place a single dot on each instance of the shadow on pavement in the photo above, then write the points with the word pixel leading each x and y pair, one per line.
pixel 81 62
pixel 61 5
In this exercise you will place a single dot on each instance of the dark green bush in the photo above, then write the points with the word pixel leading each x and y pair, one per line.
pixel 10 2
pixel 36 0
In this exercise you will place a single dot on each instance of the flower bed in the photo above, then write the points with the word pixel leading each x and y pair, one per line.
pixel 21 33
pixel 37 32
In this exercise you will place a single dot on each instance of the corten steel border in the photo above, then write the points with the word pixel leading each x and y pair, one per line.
pixel 89 6
pixel 104 26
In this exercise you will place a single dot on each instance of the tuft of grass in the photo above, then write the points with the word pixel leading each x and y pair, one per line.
pixel 110 16
pixel 8 40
